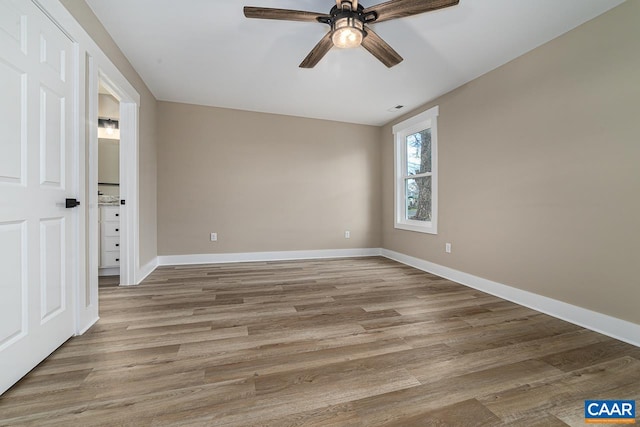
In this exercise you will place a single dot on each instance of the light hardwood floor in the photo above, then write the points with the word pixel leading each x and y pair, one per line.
pixel 108 281
pixel 347 342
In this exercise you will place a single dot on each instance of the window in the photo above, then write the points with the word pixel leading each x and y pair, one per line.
pixel 416 173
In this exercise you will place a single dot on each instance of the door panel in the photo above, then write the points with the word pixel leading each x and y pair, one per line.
pixel 52 139
pixel 14 293
pixel 37 173
pixel 52 267
pixel 13 23
pixel 13 85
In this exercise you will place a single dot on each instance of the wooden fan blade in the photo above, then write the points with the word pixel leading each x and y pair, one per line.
pixel 399 8
pixel 380 49
pixel 318 52
pixel 281 14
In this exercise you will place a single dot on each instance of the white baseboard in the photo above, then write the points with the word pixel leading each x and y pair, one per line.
pixel 87 326
pixel 109 271
pixel 265 256
pixel 146 270
pixel 598 322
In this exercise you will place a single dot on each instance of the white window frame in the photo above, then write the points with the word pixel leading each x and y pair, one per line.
pixel 422 121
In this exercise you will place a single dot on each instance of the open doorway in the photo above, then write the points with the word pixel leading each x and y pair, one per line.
pixel 108 188
pixel 112 176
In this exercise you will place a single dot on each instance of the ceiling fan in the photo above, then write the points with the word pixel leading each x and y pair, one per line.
pixel 349 22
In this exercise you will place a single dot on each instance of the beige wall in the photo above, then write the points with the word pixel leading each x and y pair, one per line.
pixel 147 136
pixel 264 182
pixel 108 148
pixel 108 107
pixel 540 171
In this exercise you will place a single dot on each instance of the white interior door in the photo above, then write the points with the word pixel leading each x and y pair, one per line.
pixel 38 234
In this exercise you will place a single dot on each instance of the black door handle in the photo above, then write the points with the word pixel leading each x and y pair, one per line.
pixel 117 214
pixel 117 245
pixel 71 203
pixel 117 259
pixel 117 229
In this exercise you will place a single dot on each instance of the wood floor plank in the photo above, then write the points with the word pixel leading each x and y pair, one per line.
pixel 305 360
pixel 590 355
pixel 494 335
pixel 341 415
pixel 496 357
pixel 140 409
pixel 343 342
pixel 567 389
pixel 466 413
pixel 105 346
pixel 111 359
pixel 396 407
pixel 268 339
pixel 568 414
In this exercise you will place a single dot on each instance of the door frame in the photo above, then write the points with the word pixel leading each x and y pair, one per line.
pixel 94 65
pixel 128 126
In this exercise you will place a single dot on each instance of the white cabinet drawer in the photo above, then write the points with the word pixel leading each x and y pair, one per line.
pixel 109 236
pixel 109 213
pixel 110 259
pixel 110 229
pixel 111 244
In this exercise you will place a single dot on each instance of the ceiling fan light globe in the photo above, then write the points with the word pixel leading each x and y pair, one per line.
pixel 347 33
pixel 346 38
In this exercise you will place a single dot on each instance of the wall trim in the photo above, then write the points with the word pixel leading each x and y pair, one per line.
pixel 109 271
pixel 613 327
pixel 87 326
pixel 265 256
pixel 146 270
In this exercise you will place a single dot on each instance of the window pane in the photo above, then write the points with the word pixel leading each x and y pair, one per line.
pixel 418 152
pixel 418 198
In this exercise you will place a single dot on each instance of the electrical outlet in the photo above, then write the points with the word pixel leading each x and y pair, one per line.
pixel 214 237
pixel 447 248
pixel 347 234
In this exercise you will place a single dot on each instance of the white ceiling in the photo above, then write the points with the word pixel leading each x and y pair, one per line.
pixel 206 52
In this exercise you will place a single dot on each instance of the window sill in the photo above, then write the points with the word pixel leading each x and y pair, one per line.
pixel 428 229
